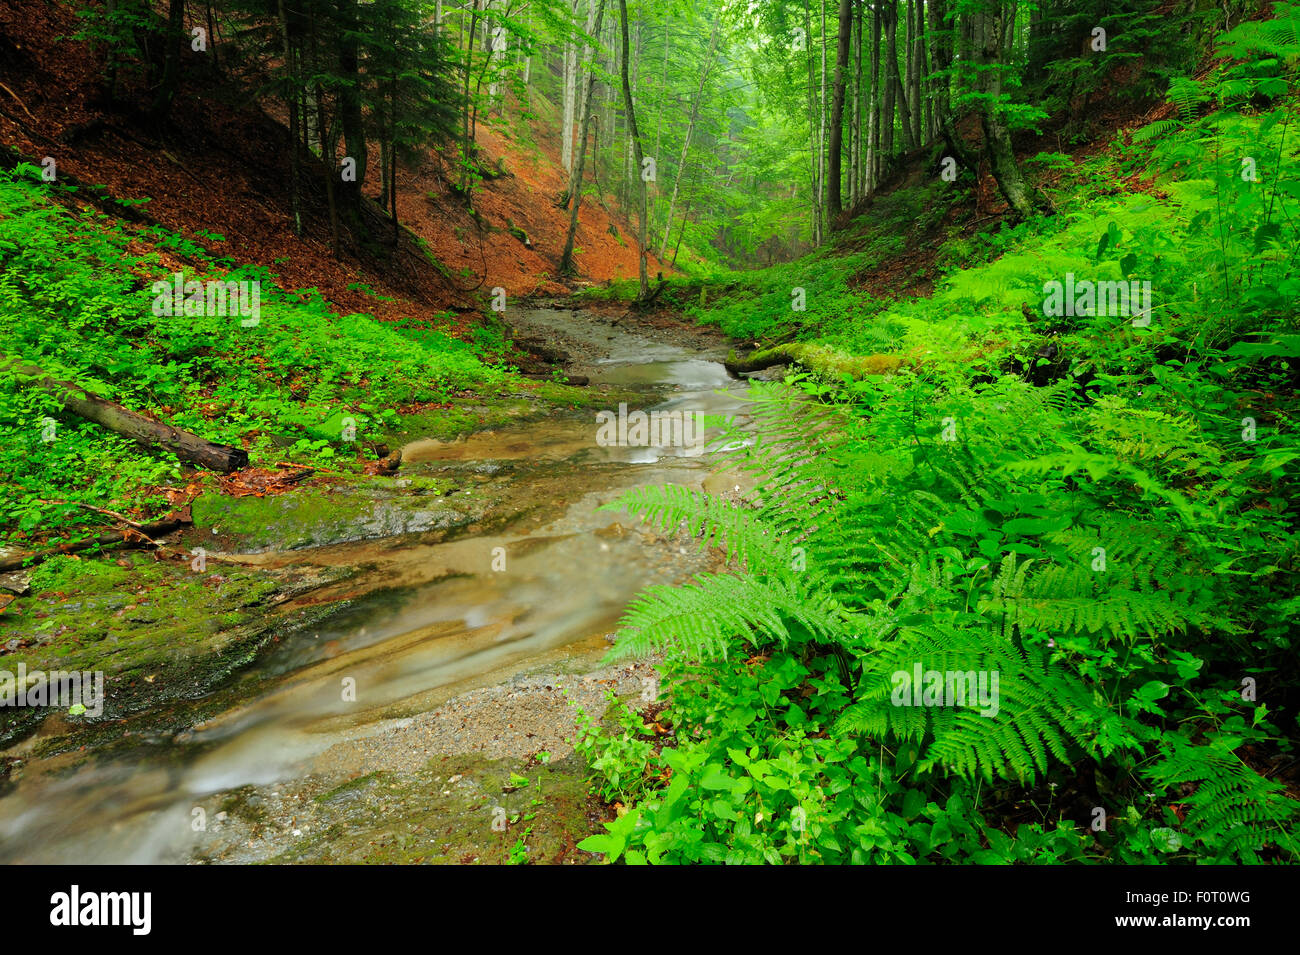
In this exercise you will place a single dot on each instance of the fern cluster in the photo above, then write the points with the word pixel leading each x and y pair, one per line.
pixel 1123 556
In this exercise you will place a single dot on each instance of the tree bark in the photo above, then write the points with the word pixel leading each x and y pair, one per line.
pixel 77 400
pixel 637 153
pixel 571 57
pixel 990 42
pixel 834 199
pixel 813 148
pixel 821 120
pixel 171 61
pixel 916 31
pixel 690 128
pixel 575 182
pixel 856 148
pixel 889 75
pixel 292 98
pixel 900 85
pixel 128 537
pixel 354 131
pixel 873 117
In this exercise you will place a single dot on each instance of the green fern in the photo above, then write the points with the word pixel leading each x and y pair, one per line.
pixel 703 617
pixel 1042 713
pixel 1231 809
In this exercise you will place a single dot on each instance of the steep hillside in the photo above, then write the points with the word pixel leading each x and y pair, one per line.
pixel 221 166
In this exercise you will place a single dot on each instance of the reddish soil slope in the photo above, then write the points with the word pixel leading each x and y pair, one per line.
pixel 221 165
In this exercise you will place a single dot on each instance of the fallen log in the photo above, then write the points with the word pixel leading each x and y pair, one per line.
pixel 77 400
pixel 761 359
pixel 816 358
pixel 144 535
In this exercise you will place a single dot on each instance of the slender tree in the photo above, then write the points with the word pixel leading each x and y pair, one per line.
pixel 639 166
pixel 575 182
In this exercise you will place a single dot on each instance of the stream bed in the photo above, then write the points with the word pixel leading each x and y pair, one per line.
pixel 427 716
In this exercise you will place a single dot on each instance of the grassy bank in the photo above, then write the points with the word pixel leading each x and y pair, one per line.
pixel 296 383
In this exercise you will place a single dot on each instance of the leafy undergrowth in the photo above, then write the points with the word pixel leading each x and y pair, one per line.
pixel 291 382
pixel 1029 597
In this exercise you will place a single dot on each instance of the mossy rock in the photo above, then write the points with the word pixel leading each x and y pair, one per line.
pixel 156 630
pixel 353 510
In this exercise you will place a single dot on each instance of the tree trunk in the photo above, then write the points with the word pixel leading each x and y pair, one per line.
pixel 904 109
pixel 834 199
pixel 821 124
pixel 329 146
pixel 901 90
pixel 128 537
pixel 171 61
pixel 990 42
pixel 295 118
pixel 889 74
pixel 917 33
pixel 873 140
pixel 856 146
pixel 77 400
pixel 354 131
pixel 813 151
pixel 467 135
pixel 659 119
pixel 571 57
pixel 575 181
pixel 637 153
pixel 690 128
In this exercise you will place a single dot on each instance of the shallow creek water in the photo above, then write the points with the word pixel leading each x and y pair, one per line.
pixel 434 619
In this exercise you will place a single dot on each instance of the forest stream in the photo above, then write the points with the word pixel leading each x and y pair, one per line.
pixel 463 654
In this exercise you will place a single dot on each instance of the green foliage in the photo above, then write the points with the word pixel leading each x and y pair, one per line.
pixel 76 302
pixel 1117 544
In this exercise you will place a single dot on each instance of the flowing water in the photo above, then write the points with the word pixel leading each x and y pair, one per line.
pixel 547 583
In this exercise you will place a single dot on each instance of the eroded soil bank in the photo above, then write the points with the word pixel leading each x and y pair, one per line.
pixel 377 669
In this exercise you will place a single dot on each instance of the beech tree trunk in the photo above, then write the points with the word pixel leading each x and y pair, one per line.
pixel 575 181
pixel 813 150
pixel 834 199
pixel 638 171
pixel 889 76
pixel 571 56
pixel 989 35
pixel 354 131
pixel 873 117
pixel 690 128
pixel 916 57
pixel 171 61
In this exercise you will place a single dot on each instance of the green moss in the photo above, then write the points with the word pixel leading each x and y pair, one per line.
pixel 359 508
pixel 156 630
pixel 828 362
pixel 351 787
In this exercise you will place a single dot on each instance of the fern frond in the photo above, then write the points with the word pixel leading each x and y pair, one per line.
pixel 1078 600
pixel 712 520
pixel 1231 809
pixel 703 617
pixel 1161 127
pixel 1040 710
